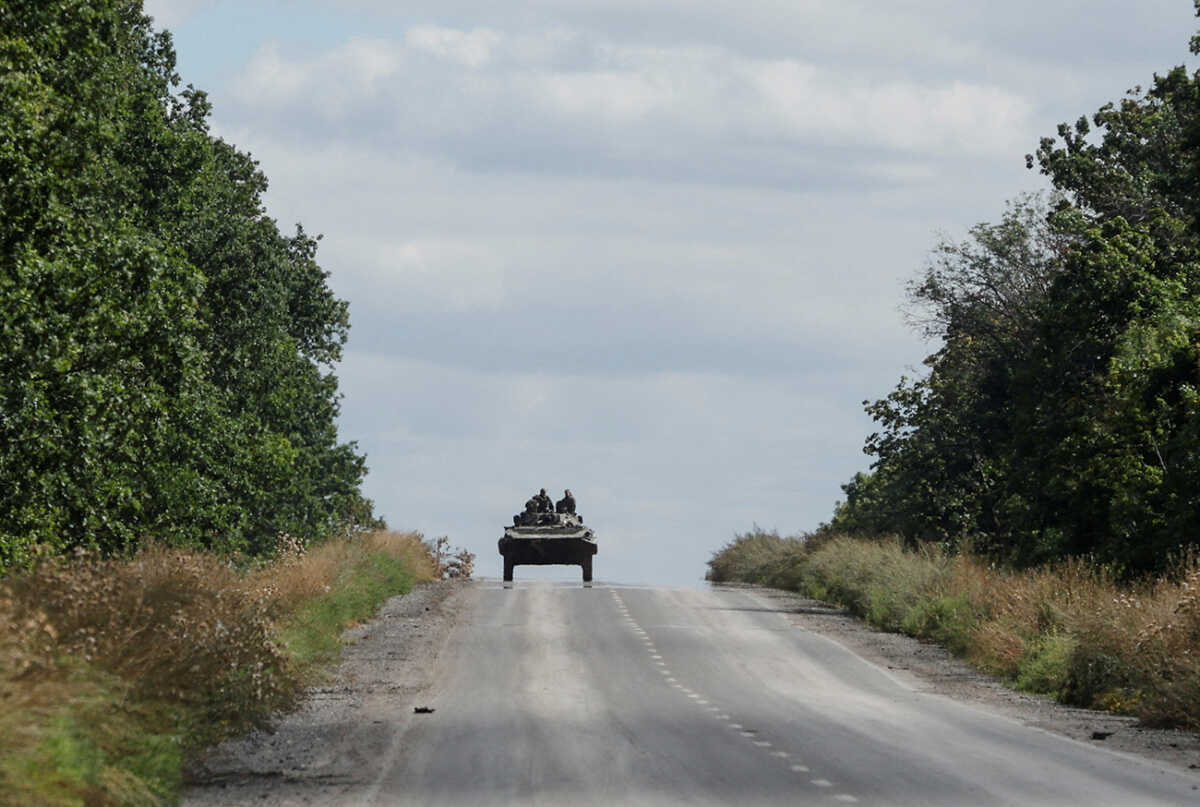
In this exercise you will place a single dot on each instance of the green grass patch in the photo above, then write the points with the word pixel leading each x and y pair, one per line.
pixel 312 636
pixel 948 620
pixel 1046 666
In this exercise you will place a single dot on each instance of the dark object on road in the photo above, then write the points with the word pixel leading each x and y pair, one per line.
pixel 424 710
pixel 1101 735
pixel 544 539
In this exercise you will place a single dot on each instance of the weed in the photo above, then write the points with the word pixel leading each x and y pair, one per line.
pixel 1068 629
pixel 1045 668
pixel 111 670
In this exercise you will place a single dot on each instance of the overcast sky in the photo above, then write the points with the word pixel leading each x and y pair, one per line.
pixel 650 250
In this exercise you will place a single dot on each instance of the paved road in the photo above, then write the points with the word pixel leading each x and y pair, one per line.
pixel 556 694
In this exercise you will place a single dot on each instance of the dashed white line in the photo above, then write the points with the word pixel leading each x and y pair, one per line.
pixel 716 712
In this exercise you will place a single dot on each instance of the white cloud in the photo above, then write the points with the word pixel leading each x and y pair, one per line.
pixel 650 251
pixel 629 106
pixel 468 48
pixel 171 13
pixel 665 468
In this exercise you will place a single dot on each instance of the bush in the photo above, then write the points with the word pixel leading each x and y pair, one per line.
pixel 950 621
pixel 1046 667
pixel 112 670
pixel 1068 629
pixel 752 557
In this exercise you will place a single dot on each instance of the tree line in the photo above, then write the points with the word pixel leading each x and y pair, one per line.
pixel 1060 414
pixel 166 352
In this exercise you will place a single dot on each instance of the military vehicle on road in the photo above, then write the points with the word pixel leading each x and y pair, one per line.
pixel 543 539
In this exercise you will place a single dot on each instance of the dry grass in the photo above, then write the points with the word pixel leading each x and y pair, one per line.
pixel 1067 630
pixel 111 669
pixel 300 574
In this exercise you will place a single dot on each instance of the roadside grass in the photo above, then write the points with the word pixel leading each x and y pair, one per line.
pixel 113 670
pixel 352 588
pixel 1068 630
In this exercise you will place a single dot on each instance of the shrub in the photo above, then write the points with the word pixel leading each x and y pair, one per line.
pixel 752 557
pixel 1067 629
pixel 949 620
pixel 112 669
pixel 1046 666
pixel 174 626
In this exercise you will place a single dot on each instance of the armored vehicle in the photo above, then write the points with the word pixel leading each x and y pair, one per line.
pixel 543 539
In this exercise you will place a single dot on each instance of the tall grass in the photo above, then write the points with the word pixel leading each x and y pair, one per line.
pixel 111 671
pixel 1067 630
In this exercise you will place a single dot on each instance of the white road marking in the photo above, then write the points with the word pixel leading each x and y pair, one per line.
pixel 822 783
pixel 800 768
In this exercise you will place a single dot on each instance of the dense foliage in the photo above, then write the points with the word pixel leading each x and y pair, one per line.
pixel 1060 415
pixel 165 351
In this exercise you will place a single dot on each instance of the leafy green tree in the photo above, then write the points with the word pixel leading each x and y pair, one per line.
pixel 943 447
pixel 166 353
pixel 1059 416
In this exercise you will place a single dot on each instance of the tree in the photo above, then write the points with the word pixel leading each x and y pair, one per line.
pixel 1060 414
pixel 165 352
pixel 944 445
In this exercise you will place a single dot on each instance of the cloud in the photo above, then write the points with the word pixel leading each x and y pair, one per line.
pixel 471 49
pixel 665 468
pixel 650 251
pixel 486 100
pixel 171 13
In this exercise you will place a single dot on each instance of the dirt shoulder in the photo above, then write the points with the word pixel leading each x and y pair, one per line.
pixel 333 746
pixel 930 668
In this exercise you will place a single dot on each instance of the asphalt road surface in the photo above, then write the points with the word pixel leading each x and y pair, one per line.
pixel 560 694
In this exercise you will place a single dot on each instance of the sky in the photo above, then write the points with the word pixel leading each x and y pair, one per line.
pixel 654 251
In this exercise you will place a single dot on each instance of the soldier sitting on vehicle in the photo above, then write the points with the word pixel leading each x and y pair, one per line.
pixel 545 504
pixel 566 504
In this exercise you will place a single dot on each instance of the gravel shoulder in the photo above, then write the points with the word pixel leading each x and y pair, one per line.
pixel 930 668
pixel 337 744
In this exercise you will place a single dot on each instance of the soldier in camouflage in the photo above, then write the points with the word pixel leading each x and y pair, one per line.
pixel 566 504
